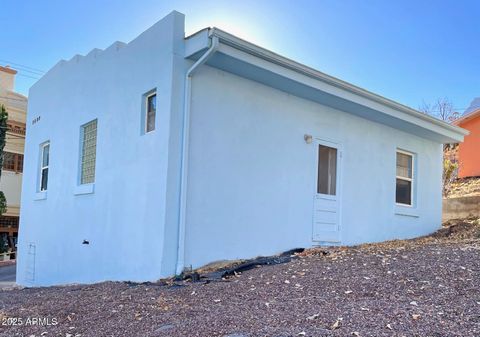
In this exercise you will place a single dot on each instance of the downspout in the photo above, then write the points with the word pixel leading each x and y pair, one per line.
pixel 184 160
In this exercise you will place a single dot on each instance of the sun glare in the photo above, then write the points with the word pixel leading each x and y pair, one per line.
pixel 244 30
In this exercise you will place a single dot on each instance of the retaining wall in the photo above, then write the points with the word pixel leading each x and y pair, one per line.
pixel 461 207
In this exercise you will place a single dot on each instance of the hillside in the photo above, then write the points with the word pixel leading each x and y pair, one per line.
pixel 421 287
pixel 464 187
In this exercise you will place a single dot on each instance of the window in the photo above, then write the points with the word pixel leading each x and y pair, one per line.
pixel 89 152
pixel 9 221
pixel 404 185
pixel 9 161
pixel 327 170
pixel 44 161
pixel 151 110
pixel 13 162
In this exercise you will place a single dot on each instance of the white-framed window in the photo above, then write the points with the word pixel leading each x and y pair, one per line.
pixel 44 163
pixel 150 111
pixel 405 178
pixel 89 152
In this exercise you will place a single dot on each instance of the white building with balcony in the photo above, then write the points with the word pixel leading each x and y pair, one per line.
pixel 11 178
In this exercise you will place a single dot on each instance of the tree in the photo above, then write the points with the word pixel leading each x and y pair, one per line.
pixel 442 109
pixel 3 133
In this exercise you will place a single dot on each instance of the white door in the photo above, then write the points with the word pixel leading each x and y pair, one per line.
pixel 326 212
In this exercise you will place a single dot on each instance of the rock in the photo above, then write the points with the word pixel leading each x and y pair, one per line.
pixel 164 327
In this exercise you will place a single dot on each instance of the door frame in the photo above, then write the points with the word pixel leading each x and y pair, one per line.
pixel 338 189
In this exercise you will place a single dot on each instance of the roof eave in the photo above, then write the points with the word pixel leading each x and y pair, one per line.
pixel 450 133
pixel 465 118
pixel 258 51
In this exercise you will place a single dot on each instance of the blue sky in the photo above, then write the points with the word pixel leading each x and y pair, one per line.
pixel 409 51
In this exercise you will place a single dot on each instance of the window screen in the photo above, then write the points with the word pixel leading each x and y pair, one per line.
pixel 404 182
pixel 89 152
pixel 327 170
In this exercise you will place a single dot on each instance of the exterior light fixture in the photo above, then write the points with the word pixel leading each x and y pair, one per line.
pixel 308 138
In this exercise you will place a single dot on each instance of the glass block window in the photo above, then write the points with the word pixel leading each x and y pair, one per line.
pixel 151 110
pixel 89 152
pixel 405 178
pixel 44 163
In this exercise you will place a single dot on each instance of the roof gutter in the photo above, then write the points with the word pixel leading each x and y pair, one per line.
pixel 180 266
pixel 272 57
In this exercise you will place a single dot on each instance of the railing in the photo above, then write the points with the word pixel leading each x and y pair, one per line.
pixel 21 132
pixel 16 127
pixel 7 256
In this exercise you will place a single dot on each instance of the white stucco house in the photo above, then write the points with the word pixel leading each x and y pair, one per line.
pixel 171 152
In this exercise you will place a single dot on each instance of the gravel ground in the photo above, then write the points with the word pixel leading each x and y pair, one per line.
pixel 423 287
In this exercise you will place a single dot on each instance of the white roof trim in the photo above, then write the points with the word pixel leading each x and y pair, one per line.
pixel 269 56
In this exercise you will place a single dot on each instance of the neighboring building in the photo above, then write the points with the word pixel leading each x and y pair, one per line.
pixel 469 150
pixel 169 152
pixel 11 179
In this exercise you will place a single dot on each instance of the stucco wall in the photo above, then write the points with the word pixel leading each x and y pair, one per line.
pixel 252 176
pixel 468 151
pixel 124 219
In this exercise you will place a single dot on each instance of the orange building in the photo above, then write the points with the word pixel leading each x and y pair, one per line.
pixel 469 150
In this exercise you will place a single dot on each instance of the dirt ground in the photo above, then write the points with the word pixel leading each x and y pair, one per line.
pixel 422 287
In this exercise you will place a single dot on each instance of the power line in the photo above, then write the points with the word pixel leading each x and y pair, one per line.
pixel 33 72
pixel 23 66
pixel 35 78
pixel 30 71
